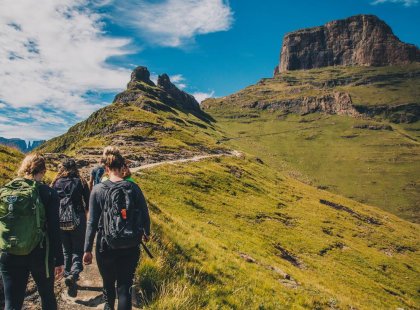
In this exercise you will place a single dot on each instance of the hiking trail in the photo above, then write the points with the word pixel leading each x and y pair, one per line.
pixel 90 283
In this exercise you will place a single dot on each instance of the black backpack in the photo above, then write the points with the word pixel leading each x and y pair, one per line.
pixel 69 215
pixel 121 222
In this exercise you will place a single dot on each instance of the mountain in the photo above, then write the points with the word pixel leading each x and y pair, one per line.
pixel 9 161
pixel 147 122
pixel 362 40
pixel 20 144
pixel 233 231
pixel 350 129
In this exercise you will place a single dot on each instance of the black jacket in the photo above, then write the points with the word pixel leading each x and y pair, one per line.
pixel 51 202
pixel 80 195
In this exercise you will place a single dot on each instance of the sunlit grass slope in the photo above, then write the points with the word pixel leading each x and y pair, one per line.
pixel 338 153
pixel 141 126
pixel 9 162
pixel 232 233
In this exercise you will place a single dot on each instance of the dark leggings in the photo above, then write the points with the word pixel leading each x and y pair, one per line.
pixel 73 242
pixel 15 271
pixel 117 267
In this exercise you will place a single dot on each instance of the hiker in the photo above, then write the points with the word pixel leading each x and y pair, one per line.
pixel 126 173
pixel 74 193
pixel 96 175
pixel 116 205
pixel 30 235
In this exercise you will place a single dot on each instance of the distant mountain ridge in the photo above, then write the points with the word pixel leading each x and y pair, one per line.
pixel 20 144
pixel 361 40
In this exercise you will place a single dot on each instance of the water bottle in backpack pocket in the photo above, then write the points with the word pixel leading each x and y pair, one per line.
pixel 69 218
pixel 120 220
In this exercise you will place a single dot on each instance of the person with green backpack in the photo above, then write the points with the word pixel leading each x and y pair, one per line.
pixel 30 236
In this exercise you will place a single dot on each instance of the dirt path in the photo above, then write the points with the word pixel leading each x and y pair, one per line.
pixel 90 284
pixel 183 160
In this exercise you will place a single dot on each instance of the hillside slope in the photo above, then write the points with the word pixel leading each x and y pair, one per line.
pixel 352 130
pixel 9 163
pixel 232 233
pixel 148 122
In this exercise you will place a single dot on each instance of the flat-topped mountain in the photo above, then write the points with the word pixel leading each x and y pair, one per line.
pixel 361 40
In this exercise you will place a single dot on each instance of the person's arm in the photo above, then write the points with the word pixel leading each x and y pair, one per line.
pixel 52 205
pixel 85 194
pixel 90 184
pixel 94 216
pixel 144 213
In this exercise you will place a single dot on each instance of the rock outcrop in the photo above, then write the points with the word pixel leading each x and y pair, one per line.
pixel 188 101
pixel 336 103
pixel 362 40
pixel 142 90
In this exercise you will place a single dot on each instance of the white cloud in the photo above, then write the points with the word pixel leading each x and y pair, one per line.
pixel 406 3
pixel 178 80
pixel 51 54
pixel 176 22
pixel 201 96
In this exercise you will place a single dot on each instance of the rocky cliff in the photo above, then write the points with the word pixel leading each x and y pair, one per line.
pixel 362 40
pixel 20 144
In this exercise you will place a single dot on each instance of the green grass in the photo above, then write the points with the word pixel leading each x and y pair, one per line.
pixel 9 163
pixel 367 86
pixel 163 131
pixel 377 167
pixel 207 214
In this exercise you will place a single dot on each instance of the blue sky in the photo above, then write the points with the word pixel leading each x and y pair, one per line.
pixel 72 56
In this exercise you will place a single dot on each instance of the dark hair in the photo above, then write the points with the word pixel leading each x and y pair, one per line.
pixel 67 169
pixel 112 158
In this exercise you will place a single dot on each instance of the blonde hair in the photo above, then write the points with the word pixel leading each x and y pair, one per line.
pixel 32 165
pixel 112 158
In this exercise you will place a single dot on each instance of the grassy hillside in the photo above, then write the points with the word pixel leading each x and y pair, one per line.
pixel 9 163
pixel 145 128
pixel 232 233
pixel 367 86
pixel 372 160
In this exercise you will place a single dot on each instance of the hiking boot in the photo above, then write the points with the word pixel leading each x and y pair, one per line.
pixel 71 286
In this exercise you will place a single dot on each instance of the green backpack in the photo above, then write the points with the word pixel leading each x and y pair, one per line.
pixel 22 217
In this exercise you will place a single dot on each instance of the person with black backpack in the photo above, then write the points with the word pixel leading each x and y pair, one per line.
pixel 74 193
pixel 119 213
pixel 29 236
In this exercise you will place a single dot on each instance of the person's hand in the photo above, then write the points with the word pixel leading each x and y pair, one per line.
pixel 58 272
pixel 87 258
pixel 146 238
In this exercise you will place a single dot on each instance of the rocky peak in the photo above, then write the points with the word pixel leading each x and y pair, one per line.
pixel 362 40
pixel 165 82
pixel 181 98
pixel 142 91
pixel 140 74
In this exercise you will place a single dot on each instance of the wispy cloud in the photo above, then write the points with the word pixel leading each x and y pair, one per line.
pixel 201 96
pixel 176 22
pixel 406 3
pixel 51 54
pixel 178 80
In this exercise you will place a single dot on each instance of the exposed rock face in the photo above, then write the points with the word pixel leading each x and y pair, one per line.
pixel 163 96
pixel 337 103
pixel 140 74
pixel 188 101
pixel 362 40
